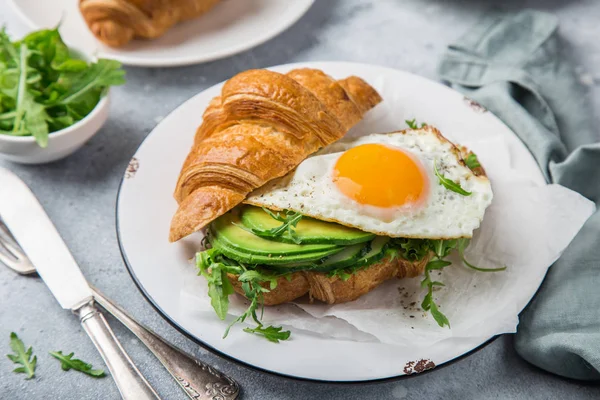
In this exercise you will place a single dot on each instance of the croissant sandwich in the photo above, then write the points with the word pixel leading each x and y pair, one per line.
pixel 331 225
pixel 117 22
pixel 260 128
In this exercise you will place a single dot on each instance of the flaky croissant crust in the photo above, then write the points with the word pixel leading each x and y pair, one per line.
pixel 116 22
pixel 333 290
pixel 260 128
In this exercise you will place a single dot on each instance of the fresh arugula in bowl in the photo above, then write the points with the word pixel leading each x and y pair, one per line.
pixel 44 87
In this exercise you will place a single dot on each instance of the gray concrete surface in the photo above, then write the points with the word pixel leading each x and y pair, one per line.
pixel 79 194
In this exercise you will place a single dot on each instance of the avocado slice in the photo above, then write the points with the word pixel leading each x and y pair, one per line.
pixel 308 230
pixel 286 263
pixel 243 246
pixel 375 253
pixel 345 258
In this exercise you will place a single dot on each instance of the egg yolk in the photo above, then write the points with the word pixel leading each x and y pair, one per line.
pixel 381 176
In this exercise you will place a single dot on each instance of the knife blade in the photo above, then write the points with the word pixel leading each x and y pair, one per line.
pixel 31 227
pixel 37 236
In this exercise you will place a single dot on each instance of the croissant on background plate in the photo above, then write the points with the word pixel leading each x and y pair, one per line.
pixel 260 128
pixel 117 22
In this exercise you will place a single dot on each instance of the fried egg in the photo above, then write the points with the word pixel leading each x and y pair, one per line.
pixel 385 184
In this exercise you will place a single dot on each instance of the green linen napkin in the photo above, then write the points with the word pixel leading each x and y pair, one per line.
pixel 512 65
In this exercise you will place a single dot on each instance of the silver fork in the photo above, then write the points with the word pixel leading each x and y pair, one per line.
pixel 198 380
pixel 11 254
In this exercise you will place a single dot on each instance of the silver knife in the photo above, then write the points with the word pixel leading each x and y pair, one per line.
pixel 37 236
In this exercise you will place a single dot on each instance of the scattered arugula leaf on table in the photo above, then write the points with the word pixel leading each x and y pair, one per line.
pixel 67 362
pixel 22 357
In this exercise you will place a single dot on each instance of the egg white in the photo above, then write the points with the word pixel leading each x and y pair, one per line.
pixel 310 190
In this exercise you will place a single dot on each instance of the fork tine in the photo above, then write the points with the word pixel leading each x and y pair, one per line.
pixel 11 254
pixel 9 243
pixel 4 231
pixel 12 249
pixel 5 258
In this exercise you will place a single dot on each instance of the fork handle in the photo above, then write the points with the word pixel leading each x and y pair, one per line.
pixel 199 380
pixel 132 385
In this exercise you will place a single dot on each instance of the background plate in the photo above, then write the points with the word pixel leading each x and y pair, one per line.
pixel 232 26
pixel 145 207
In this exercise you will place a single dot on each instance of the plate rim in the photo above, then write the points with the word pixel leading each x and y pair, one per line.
pixel 179 61
pixel 228 357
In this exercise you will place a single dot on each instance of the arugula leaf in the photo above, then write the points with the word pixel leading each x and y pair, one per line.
pixel 428 304
pixel 30 116
pixel 260 277
pixel 8 51
pixel 251 285
pixel 219 286
pixel 289 221
pixel 51 55
pixel 219 289
pixel 22 357
pixel 440 318
pixel 441 247
pixel 67 362
pixel 462 245
pixel 450 185
pixel 43 88
pixel 271 333
pixel 102 74
pixel 214 267
pixel 471 161
pixel 344 274
pixel 412 124
pixel 412 249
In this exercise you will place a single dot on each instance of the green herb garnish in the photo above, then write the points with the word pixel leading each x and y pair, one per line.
pixel 441 249
pixel 462 245
pixel 22 357
pixel 450 185
pixel 412 124
pixel 412 249
pixel 43 88
pixel 345 273
pixel 219 286
pixel 289 220
pixel 472 162
pixel 271 333
pixel 251 285
pixel 214 267
pixel 256 281
pixel 67 362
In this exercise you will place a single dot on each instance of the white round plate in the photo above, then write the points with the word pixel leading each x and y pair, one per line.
pixel 231 27
pixel 145 206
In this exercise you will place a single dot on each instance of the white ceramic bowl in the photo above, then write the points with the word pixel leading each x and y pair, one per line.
pixel 24 149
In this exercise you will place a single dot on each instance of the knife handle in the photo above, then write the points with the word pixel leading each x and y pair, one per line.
pixel 199 380
pixel 130 382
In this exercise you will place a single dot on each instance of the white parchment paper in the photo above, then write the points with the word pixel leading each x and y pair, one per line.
pixel 526 228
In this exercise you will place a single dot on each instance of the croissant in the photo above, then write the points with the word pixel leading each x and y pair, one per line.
pixel 116 22
pixel 332 289
pixel 260 128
